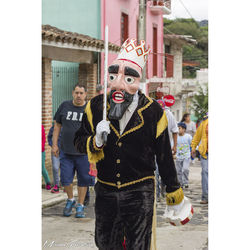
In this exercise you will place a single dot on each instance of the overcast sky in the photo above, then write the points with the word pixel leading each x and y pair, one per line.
pixel 197 8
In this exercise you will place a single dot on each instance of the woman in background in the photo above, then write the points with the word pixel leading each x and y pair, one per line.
pixel 44 171
pixel 191 127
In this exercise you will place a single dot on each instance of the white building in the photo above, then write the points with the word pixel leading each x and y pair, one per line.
pixel 173 71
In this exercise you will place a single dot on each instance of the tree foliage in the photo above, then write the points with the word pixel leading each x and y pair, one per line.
pixel 200 102
pixel 196 53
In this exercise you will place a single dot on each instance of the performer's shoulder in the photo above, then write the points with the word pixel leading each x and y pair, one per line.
pixel 96 101
pixel 153 107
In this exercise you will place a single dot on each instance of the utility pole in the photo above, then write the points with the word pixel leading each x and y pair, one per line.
pixel 142 36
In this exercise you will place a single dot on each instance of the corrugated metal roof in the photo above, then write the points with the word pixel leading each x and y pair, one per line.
pixel 53 34
pixel 186 38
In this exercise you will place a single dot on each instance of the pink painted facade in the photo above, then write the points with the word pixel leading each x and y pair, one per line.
pixel 111 11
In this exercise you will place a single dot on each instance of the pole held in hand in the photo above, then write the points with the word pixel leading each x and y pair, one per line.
pixel 105 135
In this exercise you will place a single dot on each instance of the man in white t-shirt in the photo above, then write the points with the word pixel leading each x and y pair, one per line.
pixel 172 132
pixel 172 129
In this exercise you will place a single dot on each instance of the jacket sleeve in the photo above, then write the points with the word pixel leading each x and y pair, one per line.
pixel 197 137
pixel 84 140
pixel 166 164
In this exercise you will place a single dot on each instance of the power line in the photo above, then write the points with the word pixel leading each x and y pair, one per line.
pixel 186 10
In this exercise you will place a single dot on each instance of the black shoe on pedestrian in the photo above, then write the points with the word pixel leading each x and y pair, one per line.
pixel 204 202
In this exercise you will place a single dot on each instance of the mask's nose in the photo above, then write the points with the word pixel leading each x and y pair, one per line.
pixel 118 83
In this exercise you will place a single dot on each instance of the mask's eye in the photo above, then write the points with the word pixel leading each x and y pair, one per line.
pixel 129 79
pixel 112 77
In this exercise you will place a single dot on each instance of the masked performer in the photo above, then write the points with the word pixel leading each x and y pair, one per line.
pixel 137 131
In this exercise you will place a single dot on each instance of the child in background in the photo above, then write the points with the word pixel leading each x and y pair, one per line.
pixel 183 154
pixel 44 170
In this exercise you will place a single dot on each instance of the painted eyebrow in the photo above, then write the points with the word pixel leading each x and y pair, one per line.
pixel 131 72
pixel 113 68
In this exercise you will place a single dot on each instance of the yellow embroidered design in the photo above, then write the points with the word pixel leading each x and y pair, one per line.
pixel 161 124
pixel 175 197
pixel 138 126
pixel 89 116
pixel 126 184
pixel 94 157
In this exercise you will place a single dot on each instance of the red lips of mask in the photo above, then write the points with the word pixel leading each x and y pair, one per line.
pixel 118 97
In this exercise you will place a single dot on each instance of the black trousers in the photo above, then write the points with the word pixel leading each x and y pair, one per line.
pixel 127 212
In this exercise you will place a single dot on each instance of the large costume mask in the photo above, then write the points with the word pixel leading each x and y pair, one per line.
pixel 124 76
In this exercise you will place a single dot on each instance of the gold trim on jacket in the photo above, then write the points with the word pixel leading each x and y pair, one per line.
pixel 139 111
pixel 125 184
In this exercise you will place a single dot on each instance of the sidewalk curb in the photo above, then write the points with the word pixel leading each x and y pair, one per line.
pixel 52 202
pixel 55 200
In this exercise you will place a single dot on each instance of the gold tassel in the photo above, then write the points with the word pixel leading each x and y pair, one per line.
pixel 94 157
pixel 175 197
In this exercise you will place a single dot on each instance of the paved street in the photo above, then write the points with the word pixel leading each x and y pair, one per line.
pixel 60 232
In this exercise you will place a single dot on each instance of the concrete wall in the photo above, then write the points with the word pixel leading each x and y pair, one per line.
pixel 81 16
pixel 175 84
pixel 47 108
pixel 155 20
pixel 111 16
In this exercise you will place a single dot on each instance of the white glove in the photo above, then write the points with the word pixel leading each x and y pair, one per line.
pixel 179 214
pixel 172 210
pixel 102 126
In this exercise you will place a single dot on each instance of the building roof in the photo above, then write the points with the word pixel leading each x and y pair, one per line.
pixel 52 35
pixel 185 38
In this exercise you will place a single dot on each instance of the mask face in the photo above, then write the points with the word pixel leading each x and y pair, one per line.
pixel 124 81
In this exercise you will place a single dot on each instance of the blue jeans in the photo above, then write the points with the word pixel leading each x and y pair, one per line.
pixel 204 178
pixel 55 166
pixel 69 164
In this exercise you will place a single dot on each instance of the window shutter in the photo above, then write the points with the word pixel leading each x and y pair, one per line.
pixel 170 65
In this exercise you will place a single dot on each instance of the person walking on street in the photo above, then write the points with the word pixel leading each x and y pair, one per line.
pixel 172 132
pixel 55 161
pixel 68 118
pixel 136 129
pixel 201 135
pixel 183 154
pixel 191 127
pixel 44 170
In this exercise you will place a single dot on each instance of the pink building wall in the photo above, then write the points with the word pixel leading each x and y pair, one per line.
pixel 111 11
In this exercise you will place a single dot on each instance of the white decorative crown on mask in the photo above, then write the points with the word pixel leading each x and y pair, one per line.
pixel 133 52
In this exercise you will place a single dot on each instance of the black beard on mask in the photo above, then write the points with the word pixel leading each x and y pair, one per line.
pixel 118 109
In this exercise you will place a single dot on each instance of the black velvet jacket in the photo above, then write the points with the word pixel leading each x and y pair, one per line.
pixel 129 158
